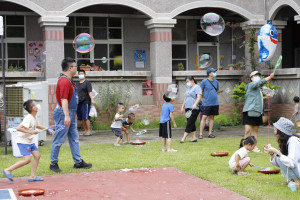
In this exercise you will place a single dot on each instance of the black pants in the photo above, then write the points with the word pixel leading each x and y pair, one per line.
pixel 190 125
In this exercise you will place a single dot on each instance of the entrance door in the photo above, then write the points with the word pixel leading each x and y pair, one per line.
pixel 212 50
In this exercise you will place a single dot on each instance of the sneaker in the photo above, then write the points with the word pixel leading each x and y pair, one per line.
pixel 163 150
pixel 83 165
pixel 117 145
pixel 256 150
pixel 54 167
pixel 242 173
pixel 172 150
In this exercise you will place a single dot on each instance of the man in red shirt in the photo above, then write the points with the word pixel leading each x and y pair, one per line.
pixel 65 117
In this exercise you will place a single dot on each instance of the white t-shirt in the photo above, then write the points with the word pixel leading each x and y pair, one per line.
pixel 242 152
pixel 116 123
pixel 292 160
pixel 29 122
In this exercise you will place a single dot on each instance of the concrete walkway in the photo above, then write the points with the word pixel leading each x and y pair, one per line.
pixel 152 134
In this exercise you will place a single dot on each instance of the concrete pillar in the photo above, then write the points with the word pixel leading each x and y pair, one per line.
pixel 160 55
pixel 53 36
pixel 257 24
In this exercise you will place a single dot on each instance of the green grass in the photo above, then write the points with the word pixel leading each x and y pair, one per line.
pixel 192 158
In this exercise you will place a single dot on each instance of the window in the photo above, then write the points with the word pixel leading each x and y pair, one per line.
pixel 107 33
pixel 179 46
pixel 14 43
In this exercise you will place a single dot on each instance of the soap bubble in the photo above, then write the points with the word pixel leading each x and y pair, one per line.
pixel 145 122
pixel 171 91
pixel 212 24
pixel 83 43
pixel 205 60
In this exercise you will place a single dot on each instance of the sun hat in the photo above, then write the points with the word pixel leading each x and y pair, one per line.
pixel 284 125
pixel 254 73
pixel 210 70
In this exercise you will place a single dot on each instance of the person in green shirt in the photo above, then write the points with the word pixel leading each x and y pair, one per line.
pixel 253 107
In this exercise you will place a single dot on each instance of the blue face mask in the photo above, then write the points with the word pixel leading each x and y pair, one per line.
pixel 256 78
pixel 214 75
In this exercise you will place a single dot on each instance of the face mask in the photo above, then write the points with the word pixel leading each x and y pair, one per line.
pixel 38 106
pixel 256 78
pixel 214 75
pixel 81 76
pixel 189 84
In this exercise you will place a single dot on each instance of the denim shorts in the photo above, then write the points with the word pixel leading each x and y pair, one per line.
pixel 117 132
pixel 26 149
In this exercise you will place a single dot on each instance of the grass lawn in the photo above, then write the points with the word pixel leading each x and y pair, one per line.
pixel 192 158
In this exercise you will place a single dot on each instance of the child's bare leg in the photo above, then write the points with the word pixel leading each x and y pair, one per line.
pixel 18 164
pixel 35 163
pixel 164 145
pixel 244 166
pixel 123 137
pixel 128 137
pixel 184 136
pixel 117 141
pixel 169 140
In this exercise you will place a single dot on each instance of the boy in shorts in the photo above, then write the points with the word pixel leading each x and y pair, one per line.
pixel 165 125
pixel 127 123
pixel 117 124
pixel 26 131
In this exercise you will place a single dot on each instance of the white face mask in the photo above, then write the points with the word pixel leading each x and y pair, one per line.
pixel 189 84
pixel 38 106
pixel 256 78
pixel 81 76
pixel 214 75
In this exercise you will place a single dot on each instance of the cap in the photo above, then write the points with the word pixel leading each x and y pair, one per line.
pixel 254 73
pixel 211 70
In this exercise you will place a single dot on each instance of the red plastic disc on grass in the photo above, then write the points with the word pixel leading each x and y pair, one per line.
pixel 219 154
pixel 137 142
pixel 32 191
pixel 272 171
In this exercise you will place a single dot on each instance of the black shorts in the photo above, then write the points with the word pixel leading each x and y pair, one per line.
pixel 211 110
pixel 165 130
pixel 253 121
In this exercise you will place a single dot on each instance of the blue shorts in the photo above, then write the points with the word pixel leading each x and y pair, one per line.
pixel 26 149
pixel 117 132
pixel 83 111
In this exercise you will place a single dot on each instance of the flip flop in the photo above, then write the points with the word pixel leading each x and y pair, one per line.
pixel 37 178
pixel 9 176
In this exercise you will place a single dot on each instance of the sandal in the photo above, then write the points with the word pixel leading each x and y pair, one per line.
pixel 87 134
pixel 211 136
pixel 200 137
pixel 37 178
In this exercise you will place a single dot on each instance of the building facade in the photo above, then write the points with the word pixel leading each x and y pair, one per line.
pixel 39 34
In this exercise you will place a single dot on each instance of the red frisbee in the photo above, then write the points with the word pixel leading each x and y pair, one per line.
pixel 137 142
pixel 220 154
pixel 272 171
pixel 32 191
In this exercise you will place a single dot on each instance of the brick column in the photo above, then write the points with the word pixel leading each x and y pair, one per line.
pixel 160 55
pixel 247 26
pixel 53 36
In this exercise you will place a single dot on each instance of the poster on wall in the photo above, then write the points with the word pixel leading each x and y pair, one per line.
pixel 35 56
pixel 139 58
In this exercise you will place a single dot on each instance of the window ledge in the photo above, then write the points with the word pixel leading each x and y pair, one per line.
pixel 23 74
pixel 116 75
pixel 222 74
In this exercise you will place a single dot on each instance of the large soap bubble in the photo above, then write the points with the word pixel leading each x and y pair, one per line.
pixel 83 43
pixel 205 60
pixel 212 24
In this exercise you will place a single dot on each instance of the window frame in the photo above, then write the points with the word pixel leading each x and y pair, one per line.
pixel 100 41
pixel 14 40
pixel 183 42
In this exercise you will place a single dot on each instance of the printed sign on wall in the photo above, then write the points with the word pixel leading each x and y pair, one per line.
pixel 35 56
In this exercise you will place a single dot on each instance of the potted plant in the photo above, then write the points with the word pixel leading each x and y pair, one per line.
pixel 220 68
pixel 85 67
pixel 238 65
pixel 231 66
pixel 180 66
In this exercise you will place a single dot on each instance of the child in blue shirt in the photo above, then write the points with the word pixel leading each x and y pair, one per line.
pixel 165 125
pixel 127 123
